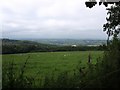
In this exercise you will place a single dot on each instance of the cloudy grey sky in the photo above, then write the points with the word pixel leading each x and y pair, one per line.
pixel 51 19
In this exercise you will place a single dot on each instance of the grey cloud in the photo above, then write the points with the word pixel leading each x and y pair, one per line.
pixel 51 19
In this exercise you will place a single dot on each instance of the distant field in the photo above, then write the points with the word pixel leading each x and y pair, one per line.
pixel 48 62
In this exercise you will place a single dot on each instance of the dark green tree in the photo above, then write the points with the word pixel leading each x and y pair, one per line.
pixel 110 66
pixel 112 26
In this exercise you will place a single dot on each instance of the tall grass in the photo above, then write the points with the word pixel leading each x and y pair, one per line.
pixel 79 79
pixel 16 79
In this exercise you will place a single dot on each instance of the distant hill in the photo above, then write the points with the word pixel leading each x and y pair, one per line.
pixel 23 46
pixel 10 46
pixel 66 42
pixel 23 42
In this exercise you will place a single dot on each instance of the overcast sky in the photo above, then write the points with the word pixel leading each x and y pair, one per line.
pixel 51 19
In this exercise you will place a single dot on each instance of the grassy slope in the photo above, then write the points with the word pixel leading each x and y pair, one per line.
pixel 49 62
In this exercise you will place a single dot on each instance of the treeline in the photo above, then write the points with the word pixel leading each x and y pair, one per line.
pixel 18 46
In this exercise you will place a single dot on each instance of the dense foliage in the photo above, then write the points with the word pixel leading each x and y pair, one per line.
pixel 109 68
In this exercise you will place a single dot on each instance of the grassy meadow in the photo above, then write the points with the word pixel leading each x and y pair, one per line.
pixel 45 63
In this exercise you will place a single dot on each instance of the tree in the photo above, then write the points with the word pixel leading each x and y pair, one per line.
pixel 110 66
pixel 112 27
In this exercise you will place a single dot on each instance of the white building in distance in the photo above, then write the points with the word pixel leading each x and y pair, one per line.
pixel 74 45
pixel 119 35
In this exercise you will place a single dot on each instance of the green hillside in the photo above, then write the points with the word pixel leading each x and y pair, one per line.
pixel 47 63
pixel 22 46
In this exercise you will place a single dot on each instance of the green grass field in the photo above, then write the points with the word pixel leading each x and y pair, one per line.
pixel 48 62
